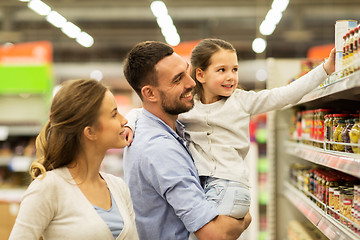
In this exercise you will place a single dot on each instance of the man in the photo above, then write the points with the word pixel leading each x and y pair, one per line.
pixel 168 199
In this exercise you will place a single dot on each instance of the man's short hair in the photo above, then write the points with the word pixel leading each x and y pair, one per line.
pixel 139 66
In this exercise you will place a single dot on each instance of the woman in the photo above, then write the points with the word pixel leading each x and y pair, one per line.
pixel 70 198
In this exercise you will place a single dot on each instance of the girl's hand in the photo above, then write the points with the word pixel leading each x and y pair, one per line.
pixel 129 135
pixel 329 65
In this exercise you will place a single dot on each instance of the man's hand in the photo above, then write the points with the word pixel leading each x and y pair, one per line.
pixel 224 227
pixel 129 135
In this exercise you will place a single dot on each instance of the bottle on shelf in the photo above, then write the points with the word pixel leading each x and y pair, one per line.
pixel 354 136
pixel 351 52
pixel 338 127
pixel 345 134
pixel 356 48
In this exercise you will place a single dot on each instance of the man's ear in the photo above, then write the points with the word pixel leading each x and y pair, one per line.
pixel 199 73
pixel 89 133
pixel 149 93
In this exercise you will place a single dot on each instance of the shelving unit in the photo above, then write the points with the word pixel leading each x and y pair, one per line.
pixel 291 203
pixel 345 162
pixel 326 224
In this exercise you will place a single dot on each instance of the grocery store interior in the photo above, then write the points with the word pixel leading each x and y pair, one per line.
pixel 304 160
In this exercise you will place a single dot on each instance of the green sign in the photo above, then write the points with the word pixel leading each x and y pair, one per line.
pixel 25 79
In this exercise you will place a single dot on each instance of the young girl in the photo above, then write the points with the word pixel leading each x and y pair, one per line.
pixel 217 128
pixel 69 198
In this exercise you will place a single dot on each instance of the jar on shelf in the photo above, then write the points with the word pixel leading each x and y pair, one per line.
pixel 331 183
pixel 336 202
pixel 320 125
pixel 345 134
pixel 346 201
pixel 354 136
pixel 328 131
pixel 337 135
pixel 338 127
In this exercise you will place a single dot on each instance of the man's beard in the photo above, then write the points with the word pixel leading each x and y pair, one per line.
pixel 174 108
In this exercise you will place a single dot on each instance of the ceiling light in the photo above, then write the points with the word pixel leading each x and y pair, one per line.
pixel 280 5
pixel 39 7
pixel 56 19
pixel 85 39
pixel 158 8
pixel 261 75
pixel 273 16
pixel 173 39
pixel 164 21
pixel 259 45
pixel 71 30
pixel 267 28
pixel 97 75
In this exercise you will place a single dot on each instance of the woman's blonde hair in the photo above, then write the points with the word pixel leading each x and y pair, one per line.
pixel 74 107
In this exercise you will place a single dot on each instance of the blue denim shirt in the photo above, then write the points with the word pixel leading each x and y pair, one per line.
pixel 169 201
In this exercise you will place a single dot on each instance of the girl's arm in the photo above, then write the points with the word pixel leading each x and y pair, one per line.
pixel 277 98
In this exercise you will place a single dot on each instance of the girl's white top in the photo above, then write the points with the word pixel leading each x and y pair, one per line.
pixel 218 133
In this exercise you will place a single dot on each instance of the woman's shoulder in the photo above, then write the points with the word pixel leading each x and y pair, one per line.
pixel 50 178
pixel 110 178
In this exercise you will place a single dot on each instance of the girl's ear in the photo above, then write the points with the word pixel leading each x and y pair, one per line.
pixel 149 93
pixel 199 73
pixel 89 133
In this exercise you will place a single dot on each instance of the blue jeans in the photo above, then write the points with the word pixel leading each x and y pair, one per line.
pixel 229 197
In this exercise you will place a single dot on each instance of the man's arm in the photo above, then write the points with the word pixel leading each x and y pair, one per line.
pixel 223 227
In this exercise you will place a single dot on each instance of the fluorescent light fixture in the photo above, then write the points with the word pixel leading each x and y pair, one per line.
pixel 71 30
pixel 173 39
pixel 273 16
pixel 169 30
pixel 24 0
pixel 267 28
pixel 56 19
pixel 85 40
pixel 39 7
pixel 280 5
pixel 261 75
pixel 164 21
pixel 4 133
pixel 97 75
pixel 259 45
pixel 158 8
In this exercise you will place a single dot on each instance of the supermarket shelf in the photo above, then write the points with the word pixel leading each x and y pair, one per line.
pixel 24 130
pixel 16 163
pixel 347 88
pixel 13 195
pixel 326 224
pixel 345 162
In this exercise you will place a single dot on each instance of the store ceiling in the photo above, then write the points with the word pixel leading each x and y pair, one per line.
pixel 116 25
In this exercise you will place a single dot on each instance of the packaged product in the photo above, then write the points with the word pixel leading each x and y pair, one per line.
pixel 354 136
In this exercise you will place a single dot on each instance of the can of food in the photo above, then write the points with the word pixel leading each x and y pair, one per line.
pixel 341 28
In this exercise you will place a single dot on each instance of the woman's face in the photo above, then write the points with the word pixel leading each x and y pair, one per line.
pixel 110 126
